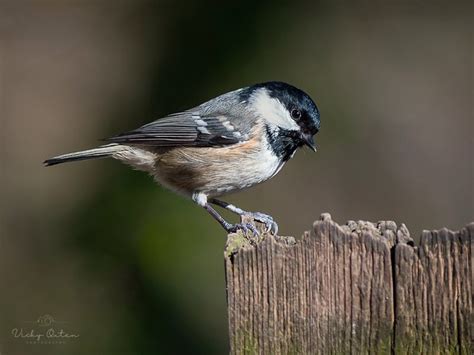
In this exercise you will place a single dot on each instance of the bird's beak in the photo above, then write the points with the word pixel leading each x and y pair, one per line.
pixel 309 141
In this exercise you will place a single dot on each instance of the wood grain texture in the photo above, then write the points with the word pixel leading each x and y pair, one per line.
pixel 357 288
pixel 434 298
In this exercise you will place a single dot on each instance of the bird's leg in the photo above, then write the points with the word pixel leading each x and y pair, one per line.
pixel 201 200
pixel 270 224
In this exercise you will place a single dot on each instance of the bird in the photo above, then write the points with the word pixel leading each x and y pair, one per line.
pixel 229 143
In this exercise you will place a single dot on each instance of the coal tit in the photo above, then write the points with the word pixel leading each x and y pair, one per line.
pixel 227 144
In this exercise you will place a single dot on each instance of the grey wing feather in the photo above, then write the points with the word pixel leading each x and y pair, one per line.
pixel 203 126
pixel 183 129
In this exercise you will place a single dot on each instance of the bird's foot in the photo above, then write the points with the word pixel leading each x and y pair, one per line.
pixel 270 225
pixel 244 227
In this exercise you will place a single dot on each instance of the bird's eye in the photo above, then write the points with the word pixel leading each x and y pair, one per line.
pixel 295 113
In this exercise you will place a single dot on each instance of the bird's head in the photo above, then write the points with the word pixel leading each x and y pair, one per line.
pixel 288 111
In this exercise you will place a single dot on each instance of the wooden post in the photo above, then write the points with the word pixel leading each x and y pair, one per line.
pixel 356 288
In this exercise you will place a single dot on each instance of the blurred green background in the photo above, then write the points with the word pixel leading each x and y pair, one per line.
pixel 135 269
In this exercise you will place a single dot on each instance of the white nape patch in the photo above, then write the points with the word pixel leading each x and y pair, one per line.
pixel 203 130
pixel 272 110
pixel 200 198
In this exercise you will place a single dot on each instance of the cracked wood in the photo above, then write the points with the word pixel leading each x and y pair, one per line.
pixel 357 288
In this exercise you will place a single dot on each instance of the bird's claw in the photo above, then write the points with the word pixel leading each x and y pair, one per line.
pixel 244 227
pixel 270 224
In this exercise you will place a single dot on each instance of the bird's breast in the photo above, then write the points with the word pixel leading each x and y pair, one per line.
pixel 218 170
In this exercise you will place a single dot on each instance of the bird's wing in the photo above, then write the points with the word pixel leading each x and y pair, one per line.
pixel 189 128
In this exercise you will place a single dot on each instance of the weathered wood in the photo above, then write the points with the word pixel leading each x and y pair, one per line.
pixel 434 298
pixel 357 288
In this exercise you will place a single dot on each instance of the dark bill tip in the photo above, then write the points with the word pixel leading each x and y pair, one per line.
pixel 309 141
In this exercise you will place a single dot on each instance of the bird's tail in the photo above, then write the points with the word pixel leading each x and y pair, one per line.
pixel 100 152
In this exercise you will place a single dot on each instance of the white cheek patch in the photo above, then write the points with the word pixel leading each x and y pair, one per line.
pixel 272 110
